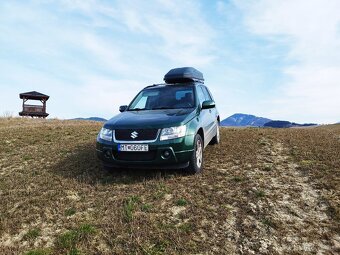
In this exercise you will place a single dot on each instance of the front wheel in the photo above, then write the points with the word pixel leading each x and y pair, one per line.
pixel 196 160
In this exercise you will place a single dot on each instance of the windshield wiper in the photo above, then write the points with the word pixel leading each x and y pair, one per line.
pixel 137 109
pixel 161 108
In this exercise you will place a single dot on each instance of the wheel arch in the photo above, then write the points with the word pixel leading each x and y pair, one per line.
pixel 201 133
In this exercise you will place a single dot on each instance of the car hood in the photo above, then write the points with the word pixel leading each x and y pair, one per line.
pixel 151 118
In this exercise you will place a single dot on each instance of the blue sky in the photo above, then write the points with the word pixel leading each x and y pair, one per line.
pixel 276 59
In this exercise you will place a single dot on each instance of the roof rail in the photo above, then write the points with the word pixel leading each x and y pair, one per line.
pixel 153 85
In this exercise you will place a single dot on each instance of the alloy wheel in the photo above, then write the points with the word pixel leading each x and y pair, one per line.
pixel 199 153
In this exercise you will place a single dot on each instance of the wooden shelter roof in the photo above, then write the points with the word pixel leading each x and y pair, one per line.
pixel 34 95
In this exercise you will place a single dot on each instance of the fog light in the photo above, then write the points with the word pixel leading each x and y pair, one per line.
pixel 166 154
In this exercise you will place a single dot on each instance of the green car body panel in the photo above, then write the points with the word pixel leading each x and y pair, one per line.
pixel 171 153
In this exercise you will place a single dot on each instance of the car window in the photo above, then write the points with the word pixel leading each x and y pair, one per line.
pixel 143 98
pixel 206 93
pixel 182 93
pixel 142 102
pixel 200 94
pixel 209 92
pixel 167 97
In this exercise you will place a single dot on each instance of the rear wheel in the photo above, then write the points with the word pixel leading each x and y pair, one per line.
pixel 196 161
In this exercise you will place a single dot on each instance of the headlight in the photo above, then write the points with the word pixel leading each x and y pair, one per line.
pixel 173 132
pixel 106 134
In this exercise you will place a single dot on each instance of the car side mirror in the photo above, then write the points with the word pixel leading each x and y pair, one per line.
pixel 208 104
pixel 123 108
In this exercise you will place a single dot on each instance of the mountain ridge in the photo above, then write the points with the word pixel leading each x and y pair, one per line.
pixel 249 120
pixel 242 120
pixel 99 119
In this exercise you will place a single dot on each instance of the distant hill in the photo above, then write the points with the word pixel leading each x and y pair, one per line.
pixel 286 124
pixel 244 120
pixel 92 119
pixel 248 120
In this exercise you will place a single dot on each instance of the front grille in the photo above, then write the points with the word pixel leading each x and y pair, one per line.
pixel 134 156
pixel 136 134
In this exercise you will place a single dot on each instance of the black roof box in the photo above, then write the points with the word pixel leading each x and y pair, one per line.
pixel 183 74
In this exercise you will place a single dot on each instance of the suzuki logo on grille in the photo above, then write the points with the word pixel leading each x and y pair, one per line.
pixel 134 135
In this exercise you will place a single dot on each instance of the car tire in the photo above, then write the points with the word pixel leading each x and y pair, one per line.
pixel 196 160
pixel 216 138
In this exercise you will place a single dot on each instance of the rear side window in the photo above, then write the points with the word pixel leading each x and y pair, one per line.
pixel 206 93
pixel 200 94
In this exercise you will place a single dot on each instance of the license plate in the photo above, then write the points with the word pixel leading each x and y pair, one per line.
pixel 133 147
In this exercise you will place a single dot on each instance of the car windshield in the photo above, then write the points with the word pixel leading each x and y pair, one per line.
pixel 165 97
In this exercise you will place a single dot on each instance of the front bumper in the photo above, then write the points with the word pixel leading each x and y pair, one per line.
pixel 180 151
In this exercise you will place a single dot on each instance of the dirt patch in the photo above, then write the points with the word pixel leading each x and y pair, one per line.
pixel 290 206
pixel 263 191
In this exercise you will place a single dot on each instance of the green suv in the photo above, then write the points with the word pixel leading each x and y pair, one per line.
pixel 165 126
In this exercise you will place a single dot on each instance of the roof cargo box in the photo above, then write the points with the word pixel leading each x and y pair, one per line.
pixel 183 74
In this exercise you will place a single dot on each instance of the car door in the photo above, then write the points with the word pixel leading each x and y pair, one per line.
pixel 211 115
pixel 204 115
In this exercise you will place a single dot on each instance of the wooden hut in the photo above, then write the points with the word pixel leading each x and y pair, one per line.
pixel 34 110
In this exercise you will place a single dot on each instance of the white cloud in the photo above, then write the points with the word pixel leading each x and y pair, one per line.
pixel 96 47
pixel 311 30
pixel 107 55
pixel 85 52
pixel 182 36
pixel 95 96
pixel 106 99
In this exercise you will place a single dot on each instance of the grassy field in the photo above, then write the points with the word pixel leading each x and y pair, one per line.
pixel 263 191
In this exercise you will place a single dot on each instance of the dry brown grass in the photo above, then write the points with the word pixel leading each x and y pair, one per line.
pixel 263 191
